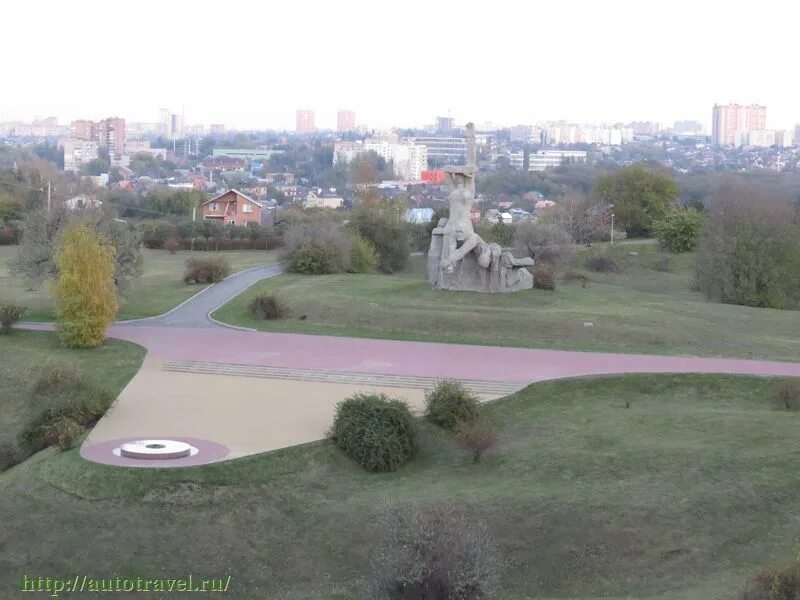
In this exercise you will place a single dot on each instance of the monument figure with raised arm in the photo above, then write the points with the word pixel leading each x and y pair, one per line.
pixel 458 258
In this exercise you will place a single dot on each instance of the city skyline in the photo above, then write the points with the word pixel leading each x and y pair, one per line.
pixel 610 65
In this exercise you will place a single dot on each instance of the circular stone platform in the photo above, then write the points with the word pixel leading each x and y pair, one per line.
pixel 155 450
pixel 162 453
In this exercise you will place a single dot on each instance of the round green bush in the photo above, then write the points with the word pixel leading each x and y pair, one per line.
pixel 314 258
pixel 375 431
pixel 450 403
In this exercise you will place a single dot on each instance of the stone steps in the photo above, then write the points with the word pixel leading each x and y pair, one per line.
pixel 482 387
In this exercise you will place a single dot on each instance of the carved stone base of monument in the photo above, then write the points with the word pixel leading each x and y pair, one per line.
pixel 486 269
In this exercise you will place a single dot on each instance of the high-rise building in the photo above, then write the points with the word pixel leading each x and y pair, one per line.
pixel 445 125
pixel 345 120
pixel 164 122
pixel 688 127
pixel 217 129
pixel 111 134
pixel 731 123
pixel 305 121
pixel 83 130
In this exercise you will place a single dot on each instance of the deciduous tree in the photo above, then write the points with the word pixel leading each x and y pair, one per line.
pixel 749 252
pixel 85 294
pixel 639 196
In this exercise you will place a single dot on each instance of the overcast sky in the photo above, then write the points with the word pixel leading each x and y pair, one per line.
pixel 251 64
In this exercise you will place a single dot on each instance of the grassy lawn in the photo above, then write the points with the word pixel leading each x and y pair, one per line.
pixel 638 310
pixel 683 495
pixel 158 289
pixel 25 353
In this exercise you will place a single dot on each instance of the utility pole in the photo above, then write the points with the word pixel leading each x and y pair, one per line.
pixel 48 196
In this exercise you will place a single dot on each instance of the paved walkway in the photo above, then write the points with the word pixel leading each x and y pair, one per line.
pixel 249 391
pixel 417 359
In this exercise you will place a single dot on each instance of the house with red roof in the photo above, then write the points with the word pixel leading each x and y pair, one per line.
pixel 232 207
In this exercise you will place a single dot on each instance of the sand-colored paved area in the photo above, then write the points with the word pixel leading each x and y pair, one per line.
pixel 248 415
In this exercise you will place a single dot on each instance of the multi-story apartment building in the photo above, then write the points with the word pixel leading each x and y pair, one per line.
pixel 442 150
pixel 408 160
pixel 83 129
pixel 731 123
pixel 111 134
pixel 544 159
pixel 345 120
pixel 78 152
pixel 305 121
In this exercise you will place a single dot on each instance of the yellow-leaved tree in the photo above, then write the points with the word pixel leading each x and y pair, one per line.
pixel 85 294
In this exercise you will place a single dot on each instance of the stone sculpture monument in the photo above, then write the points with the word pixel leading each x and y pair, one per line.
pixel 458 258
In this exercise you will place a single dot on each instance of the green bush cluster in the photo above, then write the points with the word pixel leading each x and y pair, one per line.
pixel 383 228
pixel 68 402
pixel 268 306
pixel 375 431
pixel 317 249
pixel 679 230
pixel 206 270
pixel 450 403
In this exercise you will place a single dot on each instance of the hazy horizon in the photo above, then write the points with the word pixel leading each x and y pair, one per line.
pixel 252 66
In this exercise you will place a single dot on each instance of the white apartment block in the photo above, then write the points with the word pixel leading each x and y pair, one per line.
pixel 134 147
pixel 78 152
pixel 761 139
pixel 408 160
pixel 583 134
pixel 544 159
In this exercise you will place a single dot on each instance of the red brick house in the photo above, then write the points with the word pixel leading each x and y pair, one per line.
pixel 232 208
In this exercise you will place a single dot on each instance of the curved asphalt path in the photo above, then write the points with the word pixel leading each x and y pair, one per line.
pixel 195 311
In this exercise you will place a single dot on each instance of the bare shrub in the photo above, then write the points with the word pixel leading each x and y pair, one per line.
pixel 477 436
pixel 602 264
pixel 434 552
pixel 10 314
pixel 267 306
pixel 544 242
pixel 172 245
pixel 543 277
pixel 788 395
pixel 206 270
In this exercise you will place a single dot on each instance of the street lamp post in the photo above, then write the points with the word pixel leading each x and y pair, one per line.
pixel 612 229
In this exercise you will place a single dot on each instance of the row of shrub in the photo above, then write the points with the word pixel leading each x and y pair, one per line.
pixel 271 242
pixel 208 235
pixel 379 432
